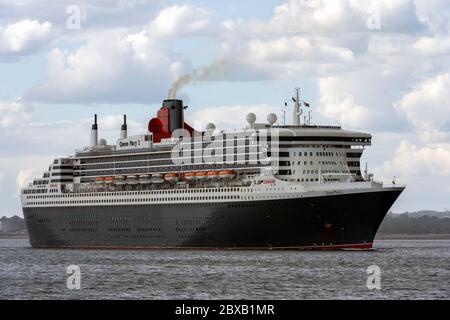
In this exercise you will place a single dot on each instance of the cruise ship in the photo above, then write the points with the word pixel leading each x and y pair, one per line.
pixel 266 186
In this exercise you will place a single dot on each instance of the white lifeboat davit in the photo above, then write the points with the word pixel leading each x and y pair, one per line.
pixel 132 179
pixel 157 178
pixel 120 180
pixel 145 178
pixel 227 174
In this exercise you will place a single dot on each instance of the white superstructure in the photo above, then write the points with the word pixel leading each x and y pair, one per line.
pixel 263 159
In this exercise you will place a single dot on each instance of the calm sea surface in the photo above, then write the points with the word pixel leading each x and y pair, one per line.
pixel 410 269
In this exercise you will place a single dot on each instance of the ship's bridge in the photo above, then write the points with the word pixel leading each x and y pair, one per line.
pixel 318 153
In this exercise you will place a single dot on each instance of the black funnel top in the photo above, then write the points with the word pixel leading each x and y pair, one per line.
pixel 124 125
pixel 176 116
pixel 94 126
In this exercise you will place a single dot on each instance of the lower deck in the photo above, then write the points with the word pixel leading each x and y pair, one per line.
pixel 321 221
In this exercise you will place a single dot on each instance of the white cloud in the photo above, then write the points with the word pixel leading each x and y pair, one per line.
pixel 297 49
pixel 438 45
pixel 112 67
pixel 14 112
pixel 327 39
pixel 96 14
pixel 123 66
pixel 24 177
pixel 254 57
pixel 24 37
pixel 427 106
pixel 434 13
pixel 411 160
pixel 181 20
pixel 349 16
pixel 338 104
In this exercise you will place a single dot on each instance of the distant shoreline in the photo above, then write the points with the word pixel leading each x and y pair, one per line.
pixel 13 236
pixel 412 236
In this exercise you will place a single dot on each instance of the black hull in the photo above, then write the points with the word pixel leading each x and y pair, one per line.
pixel 323 222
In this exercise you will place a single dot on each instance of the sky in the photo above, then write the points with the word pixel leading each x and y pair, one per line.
pixel 380 67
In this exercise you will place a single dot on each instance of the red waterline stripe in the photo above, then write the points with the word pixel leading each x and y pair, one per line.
pixel 358 246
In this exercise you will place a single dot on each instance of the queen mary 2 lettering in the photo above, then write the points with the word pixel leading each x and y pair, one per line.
pixel 265 186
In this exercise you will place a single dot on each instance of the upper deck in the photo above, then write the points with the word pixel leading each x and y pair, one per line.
pixel 302 153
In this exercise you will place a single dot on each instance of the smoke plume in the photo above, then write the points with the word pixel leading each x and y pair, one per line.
pixel 206 73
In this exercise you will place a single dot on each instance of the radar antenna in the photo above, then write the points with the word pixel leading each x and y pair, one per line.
pixel 298 111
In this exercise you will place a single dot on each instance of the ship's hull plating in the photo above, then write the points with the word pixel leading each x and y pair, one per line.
pixel 339 221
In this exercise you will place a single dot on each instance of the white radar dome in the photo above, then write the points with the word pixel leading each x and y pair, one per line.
pixel 210 127
pixel 251 118
pixel 271 118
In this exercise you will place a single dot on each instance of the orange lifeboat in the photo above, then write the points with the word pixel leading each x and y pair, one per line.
pixel 99 180
pixel 201 175
pixel 190 176
pixel 227 174
pixel 109 180
pixel 212 175
pixel 171 177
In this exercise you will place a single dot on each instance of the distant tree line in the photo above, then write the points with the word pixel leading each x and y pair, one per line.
pixel 405 224
pixel 13 224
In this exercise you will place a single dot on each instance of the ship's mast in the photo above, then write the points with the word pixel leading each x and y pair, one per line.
pixel 297 111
